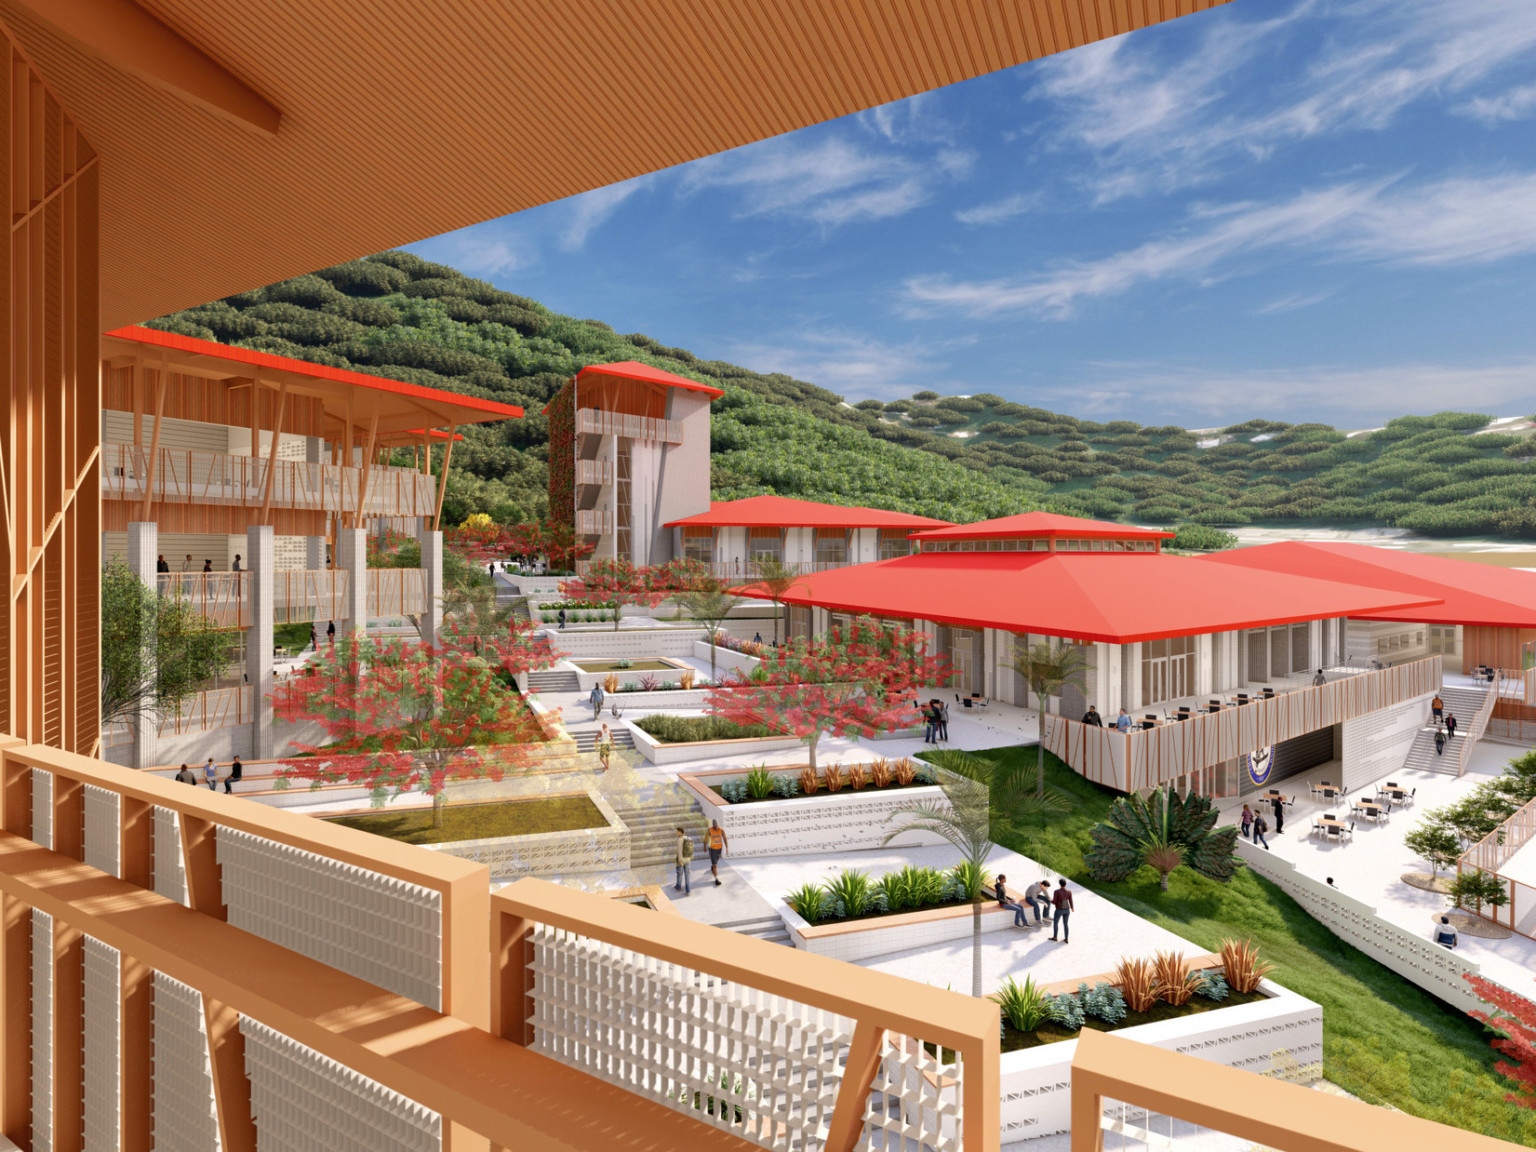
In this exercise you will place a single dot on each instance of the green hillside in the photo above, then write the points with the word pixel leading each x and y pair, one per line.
pixel 959 458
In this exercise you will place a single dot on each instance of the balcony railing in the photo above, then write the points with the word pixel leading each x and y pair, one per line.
pixel 298 595
pixel 598 472
pixel 1146 758
pixel 183 476
pixel 594 522
pixel 747 569
pixel 591 421
pixel 233 961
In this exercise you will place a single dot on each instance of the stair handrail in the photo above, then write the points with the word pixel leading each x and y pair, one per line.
pixel 1479 725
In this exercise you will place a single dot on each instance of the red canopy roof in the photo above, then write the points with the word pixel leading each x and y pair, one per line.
pixel 782 512
pixel 1468 593
pixel 634 370
pixel 1117 597
pixel 1044 524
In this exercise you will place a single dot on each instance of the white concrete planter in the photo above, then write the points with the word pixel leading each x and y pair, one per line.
pixel 658 753
pixel 826 822
pixel 639 703
pixel 588 679
pixel 726 659
pixel 551 853
pixel 860 939
pixel 603 643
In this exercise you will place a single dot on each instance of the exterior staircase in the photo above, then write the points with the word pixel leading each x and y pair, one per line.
pixel 653 828
pixel 769 928
pixel 586 739
pixel 1463 703
pixel 554 681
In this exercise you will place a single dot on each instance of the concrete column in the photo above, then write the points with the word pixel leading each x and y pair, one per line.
pixel 432 584
pixel 1204 658
pixel 1106 696
pixel 352 557
pixel 143 552
pixel 259 578
pixel 1131 677
pixel 314 546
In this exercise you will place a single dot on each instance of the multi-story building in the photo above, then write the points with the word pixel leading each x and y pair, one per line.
pixel 247 483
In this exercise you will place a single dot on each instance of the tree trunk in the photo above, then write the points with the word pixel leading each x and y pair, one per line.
pixel 815 738
pixel 439 802
pixel 976 948
pixel 712 636
pixel 1040 754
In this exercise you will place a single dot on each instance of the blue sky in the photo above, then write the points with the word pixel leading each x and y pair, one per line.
pixel 1319 210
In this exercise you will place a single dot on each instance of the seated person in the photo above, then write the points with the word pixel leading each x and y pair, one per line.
pixel 1445 934
pixel 1003 901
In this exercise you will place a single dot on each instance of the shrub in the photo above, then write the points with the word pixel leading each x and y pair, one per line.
pixel 689 729
pixel 611 683
pixel 649 682
pixel 1138 983
pixel 1175 982
pixel 895 891
pixel 905 771
pixel 688 678
pixel 924 776
pixel 926 885
pixel 1213 986
pixel 970 878
pixel 834 778
pixel 1241 965
pixel 759 782
pixel 1067 1011
pixel 786 786
pixel 857 777
pixel 880 772
pixel 809 781
pixel 1024 1005
pixel 1102 1002
pixel 734 791
pixel 810 901
pixel 852 889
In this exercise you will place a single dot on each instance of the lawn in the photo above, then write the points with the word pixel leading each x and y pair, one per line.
pixel 1385 1040
pixel 480 821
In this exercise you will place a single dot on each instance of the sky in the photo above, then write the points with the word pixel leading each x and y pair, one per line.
pixel 1317 210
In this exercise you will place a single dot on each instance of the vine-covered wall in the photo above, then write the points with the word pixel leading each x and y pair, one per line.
pixel 562 456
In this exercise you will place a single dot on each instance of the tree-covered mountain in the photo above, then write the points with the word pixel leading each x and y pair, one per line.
pixel 955 457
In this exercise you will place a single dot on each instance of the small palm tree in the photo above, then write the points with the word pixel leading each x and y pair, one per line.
pixel 1165 831
pixel 1045 668
pixel 709 604
pixel 776 578
pixel 987 800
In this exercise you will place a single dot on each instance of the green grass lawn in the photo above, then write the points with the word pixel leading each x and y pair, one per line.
pixel 1385 1040
pixel 480 821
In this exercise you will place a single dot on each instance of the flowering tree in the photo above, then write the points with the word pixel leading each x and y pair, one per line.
pixel 855 681
pixel 618 581
pixel 480 539
pixel 500 638
pixel 1514 1022
pixel 403 717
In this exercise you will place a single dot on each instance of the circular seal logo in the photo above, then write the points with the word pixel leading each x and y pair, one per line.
pixel 1260 763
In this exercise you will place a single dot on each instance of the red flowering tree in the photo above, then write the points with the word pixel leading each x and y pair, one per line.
pixel 857 681
pixel 619 582
pixel 503 640
pixel 402 717
pixel 480 539
pixel 1514 1022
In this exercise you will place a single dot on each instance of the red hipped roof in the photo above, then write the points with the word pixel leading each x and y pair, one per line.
pixel 1466 592
pixel 1116 597
pixel 634 370
pixel 1043 524
pixel 782 512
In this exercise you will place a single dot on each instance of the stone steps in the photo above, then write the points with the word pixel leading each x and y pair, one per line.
pixel 586 740
pixel 653 830
pixel 1422 755
pixel 554 681
pixel 770 928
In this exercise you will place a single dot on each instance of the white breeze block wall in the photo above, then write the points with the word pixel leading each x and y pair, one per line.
pixel 551 853
pixel 636 643
pixel 1377 744
pixel 42 807
pixel 184 1116
pixel 369 925
pixel 42 1023
pixel 102 823
pixel 1037 1082
pixel 302 1101
pixel 1412 956
pixel 102 1068
pixel 826 822
pixel 170 866
pixel 884 934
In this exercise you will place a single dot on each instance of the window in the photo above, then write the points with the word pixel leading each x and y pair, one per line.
pixel 700 548
pixel 1167 669
pixel 892 547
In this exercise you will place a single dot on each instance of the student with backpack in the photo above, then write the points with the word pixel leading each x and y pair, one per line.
pixel 684 859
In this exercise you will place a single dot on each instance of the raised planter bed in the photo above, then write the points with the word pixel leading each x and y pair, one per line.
pixel 659 753
pixel 877 935
pixel 661 667
pixel 726 659
pixel 828 821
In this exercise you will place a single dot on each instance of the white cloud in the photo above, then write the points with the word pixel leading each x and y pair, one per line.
pixel 1155 123
pixel 1448 222
pixel 998 211
pixel 856 366
pixel 591 210
pixel 1516 104
pixel 1294 302
pixel 494 248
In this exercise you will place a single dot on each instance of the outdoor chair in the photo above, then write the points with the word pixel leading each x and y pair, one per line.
pixel 1351 832
pixel 1334 831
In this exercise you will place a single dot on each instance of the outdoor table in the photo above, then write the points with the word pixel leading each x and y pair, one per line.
pixel 1325 824
pixel 1272 795
pixel 1371 809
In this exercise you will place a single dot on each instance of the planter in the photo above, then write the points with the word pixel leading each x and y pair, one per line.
pixel 673 671
pixel 726 660
pixel 878 935
pixel 659 753
pixel 826 822
pixel 551 853
pixel 601 642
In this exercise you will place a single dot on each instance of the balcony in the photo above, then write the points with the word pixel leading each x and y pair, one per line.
pixel 298 595
pixel 594 422
pixel 599 472
pixel 183 476
pixel 746 570
pixel 594 522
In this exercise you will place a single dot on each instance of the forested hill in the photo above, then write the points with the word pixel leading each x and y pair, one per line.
pixel 958 458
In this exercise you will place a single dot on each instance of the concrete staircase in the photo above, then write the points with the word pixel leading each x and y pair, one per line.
pixel 653 828
pixel 554 681
pixel 586 740
pixel 1463 703
pixel 769 928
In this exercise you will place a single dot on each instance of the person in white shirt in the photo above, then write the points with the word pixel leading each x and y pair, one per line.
pixel 1445 934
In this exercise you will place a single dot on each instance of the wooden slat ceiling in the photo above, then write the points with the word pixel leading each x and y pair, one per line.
pixel 402 119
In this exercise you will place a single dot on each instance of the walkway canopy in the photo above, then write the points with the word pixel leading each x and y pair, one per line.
pixel 1116 597
pixel 782 512
pixel 1043 525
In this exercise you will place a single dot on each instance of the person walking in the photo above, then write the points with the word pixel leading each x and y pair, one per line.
pixel 943 721
pixel 1092 717
pixel 161 566
pixel 1247 823
pixel 1439 741
pixel 1062 901
pixel 314 638
pixel 562 619
pixel 1450 725
pixel 236 774
pixel 1123 721
pixel 1279 808
pixel 716 842
pixel 683 859
pixel 595 698
pixel 235 567
pixel 1436 709
pixel 186 565
pixel 211 775
pixel 330 633
pixel 604 745
pixel 1317 682
pixel 1260 826
pixel 187 776
pixel 1038 897
pixel 207 566
pixel 1001 891
pixel 930 725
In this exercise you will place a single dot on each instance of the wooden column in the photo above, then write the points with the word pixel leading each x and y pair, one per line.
pixel 231 1087
pixel 512 981
pixel 853 1092
pixel 136 1003
pixel 277 435
pixel 442 481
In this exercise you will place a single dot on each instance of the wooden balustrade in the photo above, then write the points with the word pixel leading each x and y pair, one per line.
pixel 298 595
pixel 592 421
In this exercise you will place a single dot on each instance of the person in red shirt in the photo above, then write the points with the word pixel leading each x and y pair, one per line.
pixel 1062 900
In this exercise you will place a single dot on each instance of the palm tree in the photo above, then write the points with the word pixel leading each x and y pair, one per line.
pixel 1163 830
pixel 776 578
pixel 1045 668
pixel 709 604
pixel 987 799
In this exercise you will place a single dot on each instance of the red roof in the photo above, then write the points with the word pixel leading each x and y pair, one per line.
pixel 1116 597
pixel 1470 593
pixel 1044 524
pixel 782 512
pixel 634 370
pixel 490 409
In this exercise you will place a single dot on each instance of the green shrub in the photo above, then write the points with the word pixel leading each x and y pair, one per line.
pixel 1025 1006
pixel 1103 1002
pixel 970 879
pixel 850 892
pixel 1065 1010
pixel 759 782
pixel 786 786
pixel 690 729
pixel 810 901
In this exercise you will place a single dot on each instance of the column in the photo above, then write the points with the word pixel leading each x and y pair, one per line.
pixel 1106 696
pixel 352 558
pixel 259 578
pixel 143 552
pixel 1205 680
pixel 314 546
pixel 1131 677
pixel 432 585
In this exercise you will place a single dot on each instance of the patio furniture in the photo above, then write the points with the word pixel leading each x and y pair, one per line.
pixel 1242 698
pixel 1269 693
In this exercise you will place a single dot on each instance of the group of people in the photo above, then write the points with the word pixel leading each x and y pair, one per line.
pixel 715 843
pixel 163 566
pixel 1445 724
pixel 1040 897
pixel 212 776
pixel 1255 826
pixel 935 722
